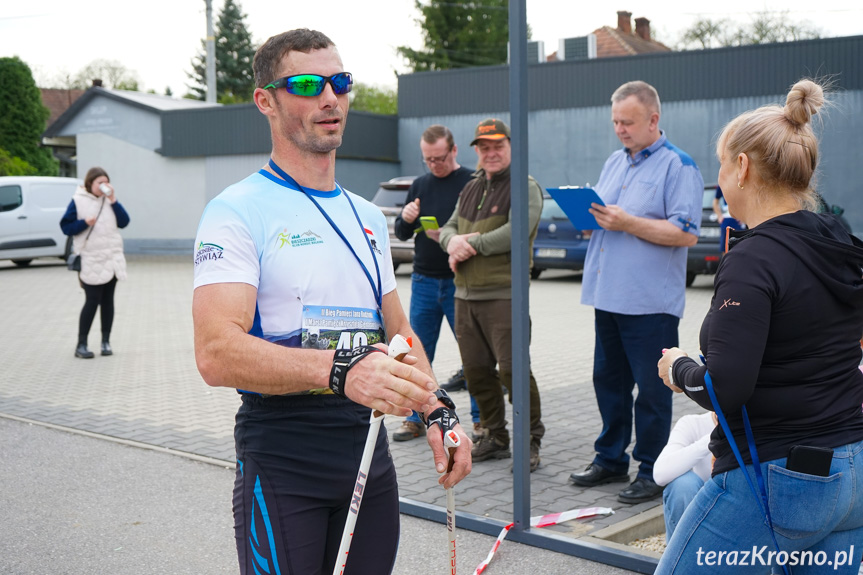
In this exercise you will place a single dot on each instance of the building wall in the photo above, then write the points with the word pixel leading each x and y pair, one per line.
pixel 362 177
pixel 122 121
pixel 723 73
pixel 570 146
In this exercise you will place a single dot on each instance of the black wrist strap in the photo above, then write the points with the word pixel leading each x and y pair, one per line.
pixel 445 417
pixel 343 361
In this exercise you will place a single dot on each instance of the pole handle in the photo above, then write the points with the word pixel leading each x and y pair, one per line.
pixel 451 459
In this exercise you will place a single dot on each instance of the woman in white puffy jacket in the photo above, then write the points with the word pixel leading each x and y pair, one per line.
pixel 93 219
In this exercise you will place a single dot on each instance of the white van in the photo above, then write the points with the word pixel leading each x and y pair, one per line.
pixel 30 211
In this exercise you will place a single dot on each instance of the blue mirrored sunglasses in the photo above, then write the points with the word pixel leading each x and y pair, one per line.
pixel 313 84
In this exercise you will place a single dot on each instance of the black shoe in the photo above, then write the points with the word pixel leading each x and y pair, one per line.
pixel 640 490
pixel 594 475
pixel 456 382
pixel 84 353
pixel 106 348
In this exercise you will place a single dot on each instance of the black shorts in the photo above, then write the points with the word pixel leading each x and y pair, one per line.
pixel 297 463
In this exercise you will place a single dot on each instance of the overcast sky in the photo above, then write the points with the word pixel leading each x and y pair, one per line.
pixel 157 39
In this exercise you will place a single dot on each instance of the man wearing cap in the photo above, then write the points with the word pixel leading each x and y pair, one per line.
pixel 477 239
pixel 635 278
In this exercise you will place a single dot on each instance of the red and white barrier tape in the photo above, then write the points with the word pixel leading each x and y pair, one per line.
pixel 544 521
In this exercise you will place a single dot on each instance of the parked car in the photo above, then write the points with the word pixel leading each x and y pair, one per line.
pixel 390 198
pixel 558 244
pixel 703 257
pixel 30 211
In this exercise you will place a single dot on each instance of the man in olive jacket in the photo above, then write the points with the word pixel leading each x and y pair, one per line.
pixel 477 238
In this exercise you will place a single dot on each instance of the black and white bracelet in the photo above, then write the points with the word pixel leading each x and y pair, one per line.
pixel 445 417
pixel 343 361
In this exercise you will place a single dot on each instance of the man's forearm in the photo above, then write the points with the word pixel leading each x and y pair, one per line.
pixel 242 361
pixel 660 232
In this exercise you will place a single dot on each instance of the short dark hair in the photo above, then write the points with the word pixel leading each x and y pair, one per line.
pixel 437 131
pixel 267 58
pixel 92 174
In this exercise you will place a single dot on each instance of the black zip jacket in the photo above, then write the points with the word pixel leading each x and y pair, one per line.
pixel 782 337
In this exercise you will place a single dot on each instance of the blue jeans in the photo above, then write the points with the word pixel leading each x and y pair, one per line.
pixel 432 300
pixel 676 497
pixel 821 515
pixel 628 348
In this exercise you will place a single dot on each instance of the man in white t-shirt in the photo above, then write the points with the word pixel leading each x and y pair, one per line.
pixel 282 255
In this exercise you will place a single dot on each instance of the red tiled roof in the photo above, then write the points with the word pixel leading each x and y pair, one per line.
pixel 611 42
pixel 58 101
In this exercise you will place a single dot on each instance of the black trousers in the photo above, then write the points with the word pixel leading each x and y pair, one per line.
pixel 101 296
pixel 297 463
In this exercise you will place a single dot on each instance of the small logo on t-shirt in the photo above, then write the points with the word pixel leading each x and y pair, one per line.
pixel 306 238
pixel 374 243
pixel 208 252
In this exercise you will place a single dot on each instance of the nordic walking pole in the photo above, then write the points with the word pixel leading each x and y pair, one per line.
pixel 398 349
pixel 451 440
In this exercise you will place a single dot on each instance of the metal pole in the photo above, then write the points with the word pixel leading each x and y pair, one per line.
pixel 520 265
pixel 211 55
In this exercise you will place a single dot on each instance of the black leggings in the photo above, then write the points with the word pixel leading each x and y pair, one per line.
pixel 97 296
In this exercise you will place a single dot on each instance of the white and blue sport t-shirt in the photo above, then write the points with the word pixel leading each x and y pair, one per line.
pixel 312 291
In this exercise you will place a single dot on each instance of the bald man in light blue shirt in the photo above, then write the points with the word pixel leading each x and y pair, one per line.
pixel 635 278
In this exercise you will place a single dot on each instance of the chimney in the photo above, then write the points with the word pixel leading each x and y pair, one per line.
pixel 97 83
pixel 642 28
pixel 624 24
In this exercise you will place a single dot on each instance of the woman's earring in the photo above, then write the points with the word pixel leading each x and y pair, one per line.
pixel 739 186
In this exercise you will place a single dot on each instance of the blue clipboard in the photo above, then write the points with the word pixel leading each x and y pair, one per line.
pixel 575 202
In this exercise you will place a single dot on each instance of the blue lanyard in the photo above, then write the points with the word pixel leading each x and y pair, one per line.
pixel 375 289
pixel 756 464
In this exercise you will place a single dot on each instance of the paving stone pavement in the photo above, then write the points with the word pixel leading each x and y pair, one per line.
pixel 150 390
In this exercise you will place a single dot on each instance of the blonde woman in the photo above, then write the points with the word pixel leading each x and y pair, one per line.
pixel 782 339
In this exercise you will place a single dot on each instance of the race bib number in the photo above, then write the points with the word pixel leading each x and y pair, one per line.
pixel 331 327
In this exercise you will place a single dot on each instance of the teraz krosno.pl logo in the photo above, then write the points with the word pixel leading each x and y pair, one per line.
pixel 762 556
pixel 208 252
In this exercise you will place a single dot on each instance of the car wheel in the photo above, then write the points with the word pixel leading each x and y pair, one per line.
pixel 534 273
pixel 22 263
pixel 690 279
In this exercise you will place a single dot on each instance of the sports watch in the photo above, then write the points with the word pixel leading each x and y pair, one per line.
pixel 444 398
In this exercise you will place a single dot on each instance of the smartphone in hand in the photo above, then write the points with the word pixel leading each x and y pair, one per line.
pixel 429 222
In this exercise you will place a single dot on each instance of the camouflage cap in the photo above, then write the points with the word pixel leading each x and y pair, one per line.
pixel 490 129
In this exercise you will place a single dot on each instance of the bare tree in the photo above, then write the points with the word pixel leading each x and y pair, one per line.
pixel 112 73
pixel 764 28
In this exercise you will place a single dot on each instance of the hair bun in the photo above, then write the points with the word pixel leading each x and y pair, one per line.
pixel 803 101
